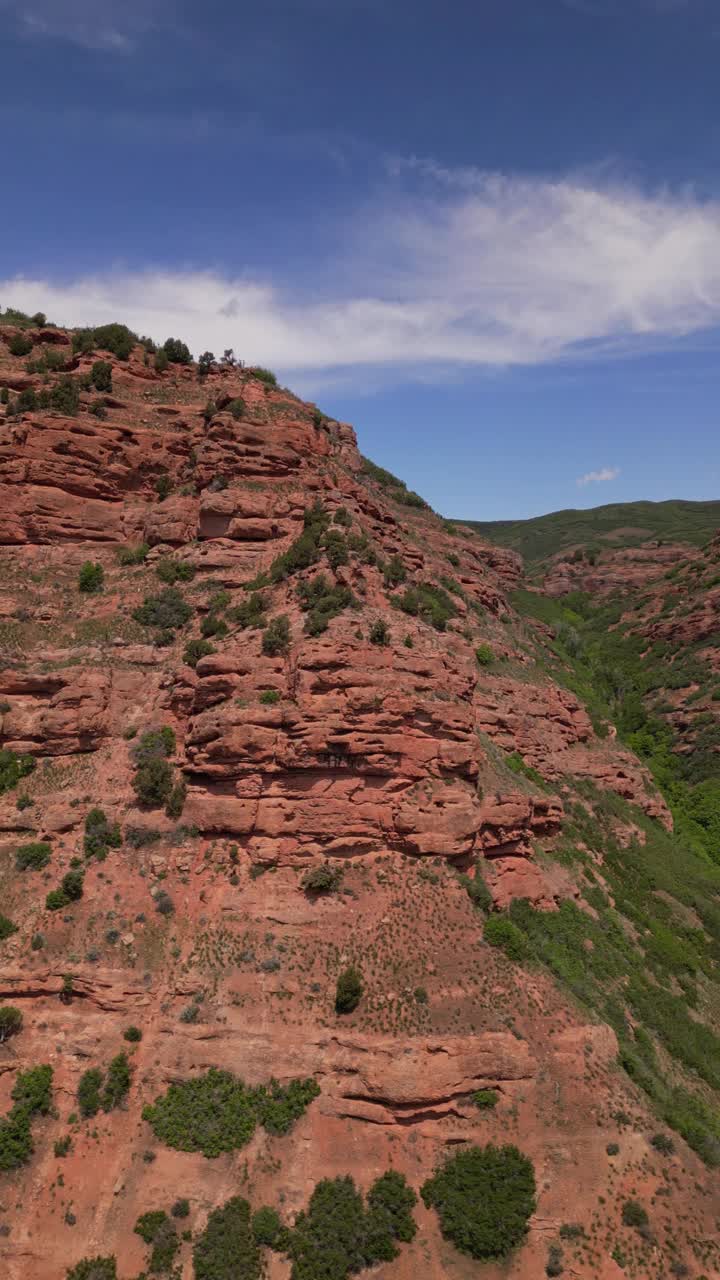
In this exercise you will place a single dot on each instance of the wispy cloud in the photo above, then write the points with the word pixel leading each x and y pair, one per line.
pixel 93 24
pixel 598 477
pixel 444 269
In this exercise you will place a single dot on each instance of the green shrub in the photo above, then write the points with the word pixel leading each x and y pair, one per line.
pixel 227 1249
pixel 267 1227
pixel 485 1099
pixel 236 408
pixel 13 768
pixel 72 885
pixel 49 361
pixel 572 1231
pixel 484 655
pixel 663 1143
pixel 269 697
pixel 342 516
pixel 477 891
pixel 155 1228
pixel 176 351
pixel 83 341
pixel 168 610
pixel 554 1265
pixel 501 932
pixel 163 486
pixel 181 1208
pixel 330 1237
pixel 20 319
pixel 196 649
pixel 55 900
pixel 278 1106
pixel 306 549
pixel 409 498
pixel 205 364
pixel 322 879
pixel 390 1205
pixel 133 555
pixel 336 549
pixel 612 1149
pixel 148 1224
pixel 62 1146
pixel 161 361
pixel 394 573
pixel 212 625
pixel 380 633
pixel 384 478
pixel 117 1083
pixel 217 1112
pixel 171 571
pixel 100 835
pixel 20 345
pixel 484 1198
pixel 71 890
pixel 89 1092
pixel 94 1269
pixel 7 928
pixel 64 397
pixel 337 1235
pixel 430 603
pixel 33 1089
pixel 116 338
pixel 27 402
pixel 349 990
pixel 11 1022
pixel 31 1095
pixel 219 601
pixel 98 409
pixel 133 1034
pixel 91 578
pixel 276 637
pixel 101 375
pixel 33 857
pixel 633 1214
pixel 153 782
pixel 322 600
pixel 98 1089
pixel 265 375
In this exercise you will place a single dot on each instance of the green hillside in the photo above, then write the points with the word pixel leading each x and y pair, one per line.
pixel 618 524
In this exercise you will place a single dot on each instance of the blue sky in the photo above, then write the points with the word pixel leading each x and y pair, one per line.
pixel 487 232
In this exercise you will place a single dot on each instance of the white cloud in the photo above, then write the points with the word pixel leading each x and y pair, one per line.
pixel 599 477
pixel 92 24
pixel 449 269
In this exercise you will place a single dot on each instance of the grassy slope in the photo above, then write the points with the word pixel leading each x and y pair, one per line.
pixel 649 964
pixel 544 536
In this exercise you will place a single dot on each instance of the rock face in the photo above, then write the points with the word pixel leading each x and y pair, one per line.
pixel 381 744
pixel 625 569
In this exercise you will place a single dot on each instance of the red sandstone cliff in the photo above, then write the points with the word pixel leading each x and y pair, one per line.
pixel 389 758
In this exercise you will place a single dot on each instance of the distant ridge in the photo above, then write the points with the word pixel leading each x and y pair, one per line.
pixel 615 524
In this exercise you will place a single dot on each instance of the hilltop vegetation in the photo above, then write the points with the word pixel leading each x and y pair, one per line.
pixel 619 524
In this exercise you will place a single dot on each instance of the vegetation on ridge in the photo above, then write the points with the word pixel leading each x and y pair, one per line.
pixel 613 525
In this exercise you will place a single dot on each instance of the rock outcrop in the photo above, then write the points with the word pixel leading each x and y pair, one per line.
pixel 398 733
